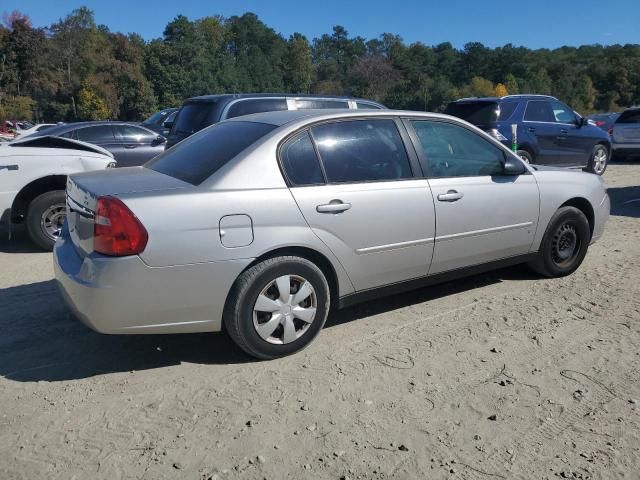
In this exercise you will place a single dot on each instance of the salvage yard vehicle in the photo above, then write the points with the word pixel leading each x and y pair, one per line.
pixel 548 131
pixel 199 112
pixel 276 217
pixel 33 176
pixel 625 134
pixel 129 143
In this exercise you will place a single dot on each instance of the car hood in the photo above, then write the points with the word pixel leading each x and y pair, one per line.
pixel 50 141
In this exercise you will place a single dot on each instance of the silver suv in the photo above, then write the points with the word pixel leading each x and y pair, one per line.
pixel 625 134
pixel 264 222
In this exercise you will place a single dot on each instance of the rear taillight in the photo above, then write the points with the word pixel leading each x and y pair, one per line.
pixel 117 231
pixel 599 123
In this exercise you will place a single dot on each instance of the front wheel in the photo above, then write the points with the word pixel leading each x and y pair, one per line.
pixel 277 307
pixel 564 244
pixel 524 155
pixel 599 160
pixel 45 217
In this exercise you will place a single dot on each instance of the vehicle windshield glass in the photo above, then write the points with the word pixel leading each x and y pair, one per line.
pixel 478 113
pixel 156 118
pixel 192 117
pixel 629 116
pixel 200 156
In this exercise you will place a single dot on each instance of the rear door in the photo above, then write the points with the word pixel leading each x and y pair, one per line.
pixel 365 198
pixel 540 125
pixel 481 214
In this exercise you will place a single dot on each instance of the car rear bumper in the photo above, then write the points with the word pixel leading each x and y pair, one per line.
pixel 601 217
pixel 124 295
pixel 628 148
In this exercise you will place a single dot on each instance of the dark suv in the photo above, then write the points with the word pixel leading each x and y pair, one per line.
pixel 199 112
pixel 548 131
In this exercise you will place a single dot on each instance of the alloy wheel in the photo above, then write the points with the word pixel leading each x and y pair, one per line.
pixel 600 161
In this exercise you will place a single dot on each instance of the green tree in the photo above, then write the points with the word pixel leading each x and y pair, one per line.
pixel 91 106
pixel 297 67
pixel 511 84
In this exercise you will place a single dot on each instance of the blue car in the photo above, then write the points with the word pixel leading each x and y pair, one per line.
pixel 548 131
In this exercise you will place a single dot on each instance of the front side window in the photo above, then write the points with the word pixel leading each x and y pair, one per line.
pixel 97 134
pixel 454 151
pixel 300 162
pixel 201 155
pixel 256 105
pixel 539 111
pixel 562 113
pixel 362 151
pixel 310 103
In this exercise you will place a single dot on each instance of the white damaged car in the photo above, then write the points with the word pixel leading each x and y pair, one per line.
pixel 33 178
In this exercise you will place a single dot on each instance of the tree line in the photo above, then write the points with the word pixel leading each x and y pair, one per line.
pixel 76 69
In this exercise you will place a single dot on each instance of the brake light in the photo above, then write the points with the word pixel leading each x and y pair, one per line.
pixel 117 231
pixel 599 123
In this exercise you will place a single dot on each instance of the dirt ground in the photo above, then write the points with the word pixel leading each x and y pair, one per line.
pixel 500 376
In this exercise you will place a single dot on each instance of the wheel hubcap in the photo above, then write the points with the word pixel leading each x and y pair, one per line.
pixel 565 244
pixel 52 220
pixel 524 157
pixel 599 161
pixel 285 309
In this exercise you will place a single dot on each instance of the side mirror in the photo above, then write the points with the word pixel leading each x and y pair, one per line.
pixel 159 140
pixel 513 166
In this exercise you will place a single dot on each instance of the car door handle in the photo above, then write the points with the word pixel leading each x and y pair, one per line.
pixel 450 196
pixel 9 167
pixel 130 146
pixel 531 130
pixel 564 132
pixel 334 206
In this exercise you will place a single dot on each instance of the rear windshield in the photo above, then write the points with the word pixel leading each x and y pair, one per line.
pixel 629 116
pixel 478 113
pixel 192 117
pixel 200 156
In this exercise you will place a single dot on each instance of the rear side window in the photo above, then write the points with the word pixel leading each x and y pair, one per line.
pixel 193 117
pixel 367 106
pixel 478 113
pixel 200 156
pixel 362 151
pixel 97 134
pixel 132 134
pixel 300 162
pixel 506 110
pixel 257 105
pixel 310 103
pixel 629 116
pixel 539 111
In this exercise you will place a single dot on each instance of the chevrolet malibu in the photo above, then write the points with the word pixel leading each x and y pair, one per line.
pixel 260 224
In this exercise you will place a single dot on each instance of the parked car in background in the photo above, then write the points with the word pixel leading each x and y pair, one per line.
pixel 33 177
pixel 36 128
pixel 548 131
pixel 129 143
pixel 625 134
pixel 604 120
pixel 160 122
pixel 278 216
pixel 199 112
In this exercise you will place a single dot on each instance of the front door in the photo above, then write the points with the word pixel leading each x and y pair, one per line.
pixel 482 215
pixel 541 126
pixel 363 200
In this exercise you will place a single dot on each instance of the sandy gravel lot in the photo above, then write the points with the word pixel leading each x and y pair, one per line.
pixel 501 376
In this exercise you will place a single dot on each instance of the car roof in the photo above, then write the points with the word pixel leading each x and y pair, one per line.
pixel 283 117
pixel 235 96
pixel 505 98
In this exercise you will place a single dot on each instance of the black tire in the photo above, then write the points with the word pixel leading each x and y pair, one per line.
pixel 596 167
pixel 37 208
pixel 566 224
pixel 239 309
pixel 526 156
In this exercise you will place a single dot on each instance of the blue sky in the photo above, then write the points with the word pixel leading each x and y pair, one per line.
pixel 537 23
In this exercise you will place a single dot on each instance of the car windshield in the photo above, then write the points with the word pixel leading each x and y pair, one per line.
pixel 629 116
pixel 200 156
pixel 157 118
pixel 192 117
pixel 478 113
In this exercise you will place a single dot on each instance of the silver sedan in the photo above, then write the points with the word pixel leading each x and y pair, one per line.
pixel 263 223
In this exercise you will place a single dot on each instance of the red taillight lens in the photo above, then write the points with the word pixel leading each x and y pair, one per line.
pixel 117 231
pixel 599 123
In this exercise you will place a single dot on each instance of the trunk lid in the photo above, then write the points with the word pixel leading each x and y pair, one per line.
pixel 84 189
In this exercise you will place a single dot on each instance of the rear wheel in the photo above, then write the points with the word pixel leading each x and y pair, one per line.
pixel 45 217
pixel 524 155
pixel 564 245
pixel 599 160
pixel 277 307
